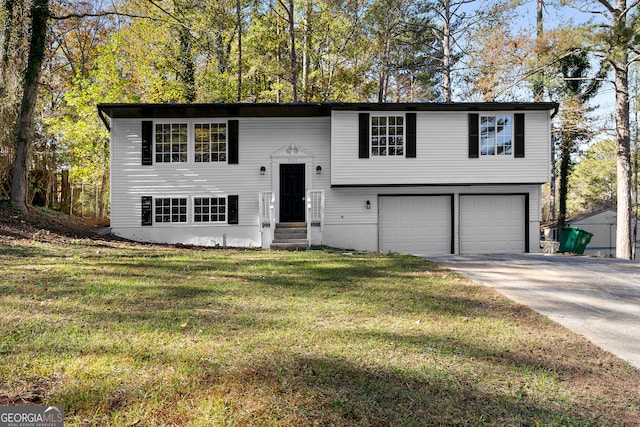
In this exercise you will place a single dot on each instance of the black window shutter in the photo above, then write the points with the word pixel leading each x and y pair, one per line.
pixel 363 123
pixel 147 210
pixel 232 209
pixel 518 143
pixel 474 140
pixel 147 141
pixel 232 143
pixel 411 135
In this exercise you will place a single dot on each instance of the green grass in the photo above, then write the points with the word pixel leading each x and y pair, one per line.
pixel 123 334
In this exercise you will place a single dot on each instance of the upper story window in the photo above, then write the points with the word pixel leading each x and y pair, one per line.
pixel 387 135
pixel 171 142
pixel 496 135
pixel 210 142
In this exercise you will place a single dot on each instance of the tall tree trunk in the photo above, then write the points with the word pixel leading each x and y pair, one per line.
pixel 65 192
pixel 623 230
pixel 620 58
pixel 565 164
pixel 293 61
pixel 239 24
pixel 538 84
pixel 102 195
pixel 278 57
pixel 24 132
pixel 383 81
pixel 446 54
pixel 552 184
pixel 305 50
pixel 539 18
pixel 186 66
pixel 8 6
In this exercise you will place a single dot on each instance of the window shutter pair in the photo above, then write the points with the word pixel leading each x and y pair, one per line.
pixel 147 210
pixel 364 129
pixel 147 142
pixel 474 137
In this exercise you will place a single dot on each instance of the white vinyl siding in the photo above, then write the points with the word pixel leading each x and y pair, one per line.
pixel 259 138
pixel 349 224
pixel 442 157
pixel 441 163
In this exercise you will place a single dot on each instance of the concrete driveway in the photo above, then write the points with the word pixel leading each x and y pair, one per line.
pixel 598 298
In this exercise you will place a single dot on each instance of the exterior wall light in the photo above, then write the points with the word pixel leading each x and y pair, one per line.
pixel 318 169
pixel 368 204
pixel 262 170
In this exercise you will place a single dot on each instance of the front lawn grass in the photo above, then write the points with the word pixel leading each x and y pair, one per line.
pixel 124 334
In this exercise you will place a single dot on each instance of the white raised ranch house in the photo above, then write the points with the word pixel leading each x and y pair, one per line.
pixel 420 178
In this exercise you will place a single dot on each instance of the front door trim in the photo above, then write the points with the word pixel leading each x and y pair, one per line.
pixel 290 154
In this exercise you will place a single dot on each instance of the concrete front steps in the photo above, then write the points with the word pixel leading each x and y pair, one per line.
pixel 290 236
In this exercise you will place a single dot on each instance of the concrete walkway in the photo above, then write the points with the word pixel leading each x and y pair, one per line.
pixel 598 298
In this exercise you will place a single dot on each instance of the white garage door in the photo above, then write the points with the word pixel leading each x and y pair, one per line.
pixel 492 224
pixel 419 225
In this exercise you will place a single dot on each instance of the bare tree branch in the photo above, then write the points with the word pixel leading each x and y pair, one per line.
pixel 99 14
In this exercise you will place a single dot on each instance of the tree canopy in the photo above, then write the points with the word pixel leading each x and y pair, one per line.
pixel 284 51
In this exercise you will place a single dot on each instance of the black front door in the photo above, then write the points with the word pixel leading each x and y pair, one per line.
pixel 292 192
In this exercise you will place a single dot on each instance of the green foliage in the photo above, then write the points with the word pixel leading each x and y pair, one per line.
pixel 404 49
pixel 593 183
pixel 347 50
pixel 573 129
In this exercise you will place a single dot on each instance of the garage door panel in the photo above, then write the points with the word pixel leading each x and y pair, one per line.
pixel 492 223
pixel 415 224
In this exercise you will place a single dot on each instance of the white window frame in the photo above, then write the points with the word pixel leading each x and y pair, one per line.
pixel 390 131
pixel 170 143
pixel 496 149
pixel 219 222
pixel 171 214
pixel 210 153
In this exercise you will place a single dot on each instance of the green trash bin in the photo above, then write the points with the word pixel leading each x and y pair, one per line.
pixel 574 240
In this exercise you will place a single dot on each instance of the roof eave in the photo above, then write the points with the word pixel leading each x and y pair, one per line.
pixel 303 109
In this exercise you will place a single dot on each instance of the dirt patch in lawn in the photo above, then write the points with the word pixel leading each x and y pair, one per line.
pixel 46 225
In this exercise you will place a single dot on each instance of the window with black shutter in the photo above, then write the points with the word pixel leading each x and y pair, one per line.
pixel 147 143
pixel 147 210
pixel 518 147
pixel 233 142
pixel 411 135
pixel 232 202
pixel 474 140
pixel 363 140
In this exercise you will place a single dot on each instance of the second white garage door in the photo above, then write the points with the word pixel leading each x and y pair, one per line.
pixel 492 224
pixel 419 225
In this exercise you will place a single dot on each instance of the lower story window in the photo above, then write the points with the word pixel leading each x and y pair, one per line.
pixel 210 209
pixel 171 209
